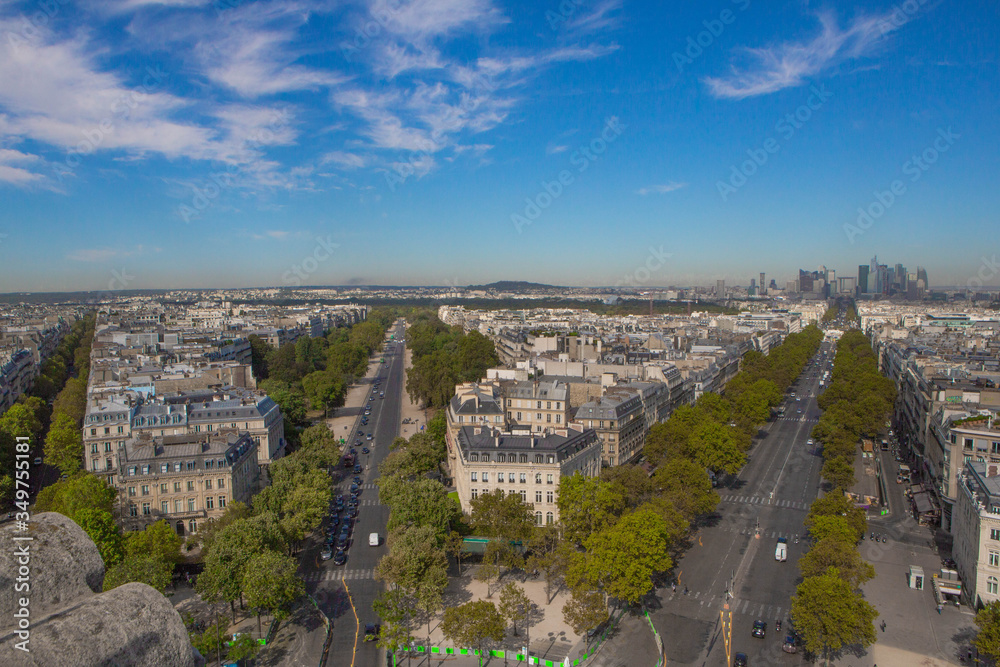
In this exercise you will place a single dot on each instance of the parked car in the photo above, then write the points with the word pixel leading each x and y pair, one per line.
pixel 740 660
pixel 364 450
pixel 326 554
pixel 340 557
pixel 357 468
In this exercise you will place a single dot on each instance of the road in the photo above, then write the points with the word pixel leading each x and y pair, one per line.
pixel 773 492
pixel 345 593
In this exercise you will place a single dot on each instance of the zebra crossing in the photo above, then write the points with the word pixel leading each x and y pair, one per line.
pixel 737 606
pixel 337 575
pixel 796 419
pixel 760 500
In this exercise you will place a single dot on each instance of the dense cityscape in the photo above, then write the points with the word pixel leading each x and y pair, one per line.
pixel 465 333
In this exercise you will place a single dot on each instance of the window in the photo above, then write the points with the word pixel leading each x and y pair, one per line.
pixel 221 484
pixel 177 467
pixel 208 485
pixel 995 447
pixel 557 405
pixel 995 534
pixel 548 405
pixel 548 497
pixel 539 406
pixel 192 526
pixel 131 491
pixel 133 510
pixel 538 478
pixel 995 559
pixel 549 518
pixel 501 458
pixel 524 478
pixel 524 496
pixel 178 506
pixel 145 509
pixel 538 416
pixel 968 443
pixel 107 464
pixel 548 478
pixel 107 446
pixel 145 489
pixel 500 491
pixel 486 477
pixel 992 585
pixel 121 429
pixel 538 518
pixel 190 504
pixel 190 485
pixel 523 458
pixel 518 416
pixel 177 487
pixel 510 477
pixel 145 470
pixel 164 467
pixel 552 459
pixel 474 457
pixel 222 502
pixel 164 507
pixel 538 497
pixel 93 448
pixel 486 458
pixel 475 493
pixel 474 475
pixel 209 502
pixel 539 458
pixel 93 431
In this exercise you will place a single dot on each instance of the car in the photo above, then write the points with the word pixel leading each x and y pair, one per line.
pixel 348 524
pixel 334 520
pixel 352 513
pixel 372 631
pixel 330 539
pixel 357 468
pixel 790 645
pixel 809 441
pixel 326 554
pixel 361 434
pixel 364 450
pixel 357 480
pixel 369 436
pixel 799 411
pixel 353 502
pixel 740 660
pixel 354 489
pixel 340 557
pixel 342 541
pixel 759 629
pixel 781 550
pixel 38 460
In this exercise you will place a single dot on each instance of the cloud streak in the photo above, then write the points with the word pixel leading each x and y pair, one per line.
pixel 660 189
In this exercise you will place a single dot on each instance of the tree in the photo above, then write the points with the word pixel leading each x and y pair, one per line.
pixel 424 502
pixel 585 610
pixel 415 564
pixel 839 472
pixel 454 544
pixel 987 641
pixel 631 482
pixel 148 570
pixel 259 350
pixel 829 614
pixel 270 583
pixel 588 505
pixel 289 399
pixel 502 517
pixel 718 448
pixel 837 504
pixel 834 552
pixel 243 647
pixel 72 399
pixel 514 604
pixel 395 608
pixel 687 486
pixel 623 558
pixel 79 492
pixel 473 625
pixel 157 540
pixel 100 527
pixel 832 527
pixel 64 444
pixel 210 529
pixel 324 389
pixel 212 642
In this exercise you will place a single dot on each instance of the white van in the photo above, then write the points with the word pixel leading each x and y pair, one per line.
pixel 373 540
pixel 781 551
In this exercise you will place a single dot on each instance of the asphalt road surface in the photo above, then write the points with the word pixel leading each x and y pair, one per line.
pixel 731 568
pixel 346 592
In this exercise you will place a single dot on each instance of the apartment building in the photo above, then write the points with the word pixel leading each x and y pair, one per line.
pixel 184 479
pixel 524 462
pixel 17 373
pixel 111 421
pixel 476 404
pixel 619 418
pixel 537 405
pixel 961 437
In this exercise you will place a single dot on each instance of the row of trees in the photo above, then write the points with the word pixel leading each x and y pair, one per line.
pixel 32 415
pixel 717 431
pixel 315 372
pixel 855 405
pixel 444 356
pixel 828 609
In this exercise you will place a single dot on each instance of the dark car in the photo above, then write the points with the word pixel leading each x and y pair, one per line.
pixel 354 489
pixel 369 436
pixel 364 450
pixel 353 502
pixel 352 513
pixel 348 524
pixel 759 628
pixel 790 645
pixel 334 520
pixel 740 660
pixel 342 541
pixel 330 539
pixel 340 557
pixel 372 631
pixel 361 434
pixel 358 480
pixel 357 468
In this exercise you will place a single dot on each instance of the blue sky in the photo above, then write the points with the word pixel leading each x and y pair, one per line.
pixel 218 143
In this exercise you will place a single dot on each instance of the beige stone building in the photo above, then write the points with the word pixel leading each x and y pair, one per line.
pixel 184 479
pixel 537 405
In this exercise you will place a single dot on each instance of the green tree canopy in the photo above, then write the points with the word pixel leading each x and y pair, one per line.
pixel 829 614
pixel 474 624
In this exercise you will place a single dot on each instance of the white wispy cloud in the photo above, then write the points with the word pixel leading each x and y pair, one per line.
pixel 599 18
pixel 790 64
pixel 661 189
pixel 19 168
pixel 272 234
pixel 344 160
pixel 552 149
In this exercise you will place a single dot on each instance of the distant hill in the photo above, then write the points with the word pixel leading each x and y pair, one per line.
pixel 512 286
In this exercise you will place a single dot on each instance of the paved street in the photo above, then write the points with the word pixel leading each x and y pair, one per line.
pixel 772 494
pixel 346 593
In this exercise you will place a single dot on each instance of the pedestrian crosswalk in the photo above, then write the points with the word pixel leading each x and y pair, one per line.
pixel 336 575
pixel 798 418
pixel 760 500
pixel 756 610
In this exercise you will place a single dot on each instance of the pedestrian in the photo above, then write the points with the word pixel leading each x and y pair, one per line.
pixel 685 590
pixel 673 587
pixel 939 607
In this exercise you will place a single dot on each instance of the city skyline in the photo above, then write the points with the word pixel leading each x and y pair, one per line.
pixel 208 144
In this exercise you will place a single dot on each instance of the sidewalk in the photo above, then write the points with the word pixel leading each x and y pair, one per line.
pixel 410 410
pixel 343 421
